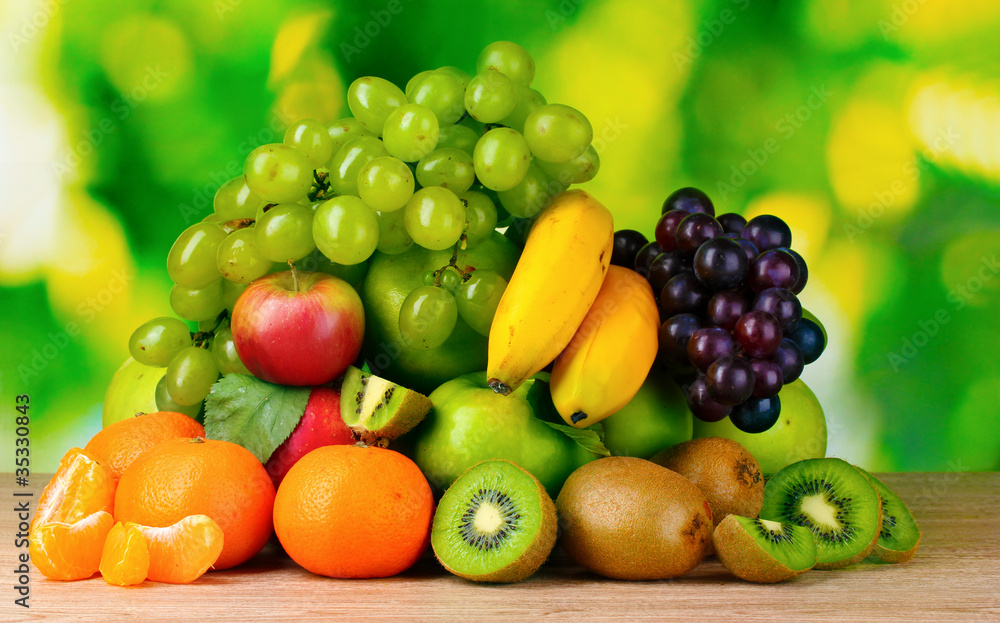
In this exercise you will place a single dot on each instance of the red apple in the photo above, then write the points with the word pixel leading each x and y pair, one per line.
pixel 298 329
pixel 320 426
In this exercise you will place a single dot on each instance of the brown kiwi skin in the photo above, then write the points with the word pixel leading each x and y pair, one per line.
pixel 631 519
pixel 738 551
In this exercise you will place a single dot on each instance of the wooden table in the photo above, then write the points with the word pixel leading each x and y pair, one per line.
pixel 954 577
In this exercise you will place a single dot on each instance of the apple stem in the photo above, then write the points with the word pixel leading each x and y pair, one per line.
pixel 295 275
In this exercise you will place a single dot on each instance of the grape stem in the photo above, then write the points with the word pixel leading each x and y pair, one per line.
pixel 203 339
pixel 453 263
pixel 237 223
pixel 322 186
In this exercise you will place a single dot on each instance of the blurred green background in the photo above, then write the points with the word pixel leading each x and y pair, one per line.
pixel 871 126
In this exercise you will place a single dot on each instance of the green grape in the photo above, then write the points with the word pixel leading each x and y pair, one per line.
pixel 191 260
pixel 508 58
pixel 224 353
pixel 478 298
pixel 284 233
pixel 385 184
pixel 530 196
pixel 165 403
pixel 450 279
pixel 229 291
pixel 411 132
pixel 557 133
pixel 156 341
pixel 346 230
pixel 480 217
pixel 313 140
pixel 414 81
pixel 427 317
pixel 392 236
pixel 490 97
pixel 212 218
pixel 501 159
pixel 428 278
pixel 442 93
pixel 348 162
pixel 208 325
pixel 435 218
pixel 460 74
pixel 448 168
pixel 371 100
pixel 278 173
pixel 190 375
pixel 238 258
pixel 528 100
pixel 345 130
pixel 476 126
pixel 197 304
pixel 457 136
pixel 581 169
pixel 234 200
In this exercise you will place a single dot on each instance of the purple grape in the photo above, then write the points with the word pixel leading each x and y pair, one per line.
pixel 695 230
pixel 781 304
pixel 800 284
pixel 726 307
pixel 767 375
pixel 684 294
pixel 773 269
pixel 701 404
pixel 758 333
pixel 748 248
pixel 666 228
pixel 667 266
pixel 707 345
pixel 768 232
pixel 756 415
pixel 675 334
pixel 645 257
pixel 730 381
pixel 732 223
pixel 720 264
pixel 626 246
pixel 688 199
pixel 809 338
pixel 789 358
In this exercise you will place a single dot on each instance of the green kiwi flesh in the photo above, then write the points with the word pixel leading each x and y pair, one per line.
pixel 378 409
pixel 495 523
pixel 759 550
pixel 899 535
pixel 833 500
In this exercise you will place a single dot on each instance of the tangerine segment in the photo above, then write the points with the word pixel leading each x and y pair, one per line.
pixel 80 488
pixel 118 444
pixel 125 559
pixel 183 552
pixel 70 551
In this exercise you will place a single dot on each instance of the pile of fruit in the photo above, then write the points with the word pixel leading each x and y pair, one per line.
pixel 378 368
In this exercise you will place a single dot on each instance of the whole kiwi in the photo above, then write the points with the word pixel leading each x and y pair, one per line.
pixel 630 519
pixel 726 473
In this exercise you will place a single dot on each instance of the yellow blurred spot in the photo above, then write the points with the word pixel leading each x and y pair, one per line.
pixel 145 57
pixel 316 93
pixel 808 216
pixel 969 268
pixel 296 36
pixel 861 275
pixel 930 23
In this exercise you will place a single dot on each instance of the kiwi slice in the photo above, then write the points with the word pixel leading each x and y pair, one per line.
pixel 759 550
pixel 377 409
pixel 832 499
pixel 495 523
pixel 899 536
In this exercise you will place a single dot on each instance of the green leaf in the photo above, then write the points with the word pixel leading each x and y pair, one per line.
pixel 252 413
pixel 589 438
pixel 540 399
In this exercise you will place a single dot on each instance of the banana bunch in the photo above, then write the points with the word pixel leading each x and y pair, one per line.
pixel 608 359
pixel 560 272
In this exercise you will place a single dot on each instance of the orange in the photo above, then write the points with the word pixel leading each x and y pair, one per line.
pixel 182 477
pixel 354 512
pixel 125 559
pixel 70 551
pixel 117 445
pixel 80 487
pixel 183 552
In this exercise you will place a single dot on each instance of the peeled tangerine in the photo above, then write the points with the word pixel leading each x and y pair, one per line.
pixel 178 554
pixel 611 353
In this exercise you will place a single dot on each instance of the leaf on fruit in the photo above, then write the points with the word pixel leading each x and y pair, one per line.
pixel 540 399
pixel 252 413
pixel 589 438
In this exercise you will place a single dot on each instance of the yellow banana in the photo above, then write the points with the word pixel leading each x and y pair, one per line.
pixel 612 352
pixel 556 281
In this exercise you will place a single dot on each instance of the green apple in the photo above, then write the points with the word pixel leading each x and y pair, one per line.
pixel 470 423
pixel 389 280
pixel 799 433
pixel 132 390
pixel 655 419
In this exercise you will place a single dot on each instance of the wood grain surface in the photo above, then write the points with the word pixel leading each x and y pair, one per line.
pixel 955 576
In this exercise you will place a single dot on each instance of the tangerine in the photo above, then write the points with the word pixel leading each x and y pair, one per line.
pixel 80 487
pixel 183 552
pixel 118 444
pixel 70 551
pixel 125 558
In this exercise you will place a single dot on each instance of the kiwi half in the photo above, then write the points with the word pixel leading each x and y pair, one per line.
pixel 495 523
pixel 832 499
pixel 759 550
pixel 899 535
pixel 377 409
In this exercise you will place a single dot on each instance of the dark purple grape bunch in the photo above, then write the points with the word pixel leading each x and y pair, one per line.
pixel 733 332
